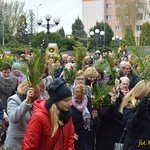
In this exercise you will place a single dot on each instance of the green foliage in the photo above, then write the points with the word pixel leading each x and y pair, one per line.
pixel 102 64
pixel 144 36
pixel 35 68
pixel 101 95
pixel 61 32
pixel 106 38
pixel 38 39
pixel 143 61
pixel 78 29
pixel 66 44
pixel 21 34
pixel 80 53
pixel 129 39
pixel 13 43
pixel 70 74
pixel 31 23
pixel 10 14
pixel 4 60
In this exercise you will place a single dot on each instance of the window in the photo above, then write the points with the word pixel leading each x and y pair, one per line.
pixel 139 4
pixel 116 17
pixel 108 5
pixel 116 27
pixel 108 17
pixel 139 27
pixel 117 5
pixel 149 3
pixel 126 16
pixel 139 16
pixel 148 15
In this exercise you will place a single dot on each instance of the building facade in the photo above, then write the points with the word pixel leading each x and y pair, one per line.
pixel 105 10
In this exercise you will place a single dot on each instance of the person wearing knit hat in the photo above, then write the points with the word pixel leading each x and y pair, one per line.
pixel 51 125
pixel 16 72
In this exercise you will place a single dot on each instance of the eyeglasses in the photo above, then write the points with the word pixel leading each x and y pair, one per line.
pixel 91 77
pixel 80 79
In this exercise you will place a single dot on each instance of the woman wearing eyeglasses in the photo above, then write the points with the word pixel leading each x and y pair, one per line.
pixel 80 78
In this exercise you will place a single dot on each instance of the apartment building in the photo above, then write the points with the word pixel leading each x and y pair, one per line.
pixel 105 10
pixel 92 11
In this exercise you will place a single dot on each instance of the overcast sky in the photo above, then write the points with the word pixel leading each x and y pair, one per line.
pixel 66 10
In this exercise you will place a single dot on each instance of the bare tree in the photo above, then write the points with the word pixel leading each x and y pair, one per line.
pixel 129 12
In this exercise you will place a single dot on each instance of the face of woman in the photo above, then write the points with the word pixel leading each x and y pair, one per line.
pixel 127 70
pixel 92 78
pixel 64 104
pixel 79 99
pixel 80 79
pixel 124 84
pixel 6 73
pixel 99 77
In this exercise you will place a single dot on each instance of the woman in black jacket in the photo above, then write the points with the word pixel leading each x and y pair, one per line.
pixel 136 112
pixel 111 122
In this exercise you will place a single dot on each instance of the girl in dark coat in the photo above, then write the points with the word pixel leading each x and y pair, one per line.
pixel 81 115
pixel 136 111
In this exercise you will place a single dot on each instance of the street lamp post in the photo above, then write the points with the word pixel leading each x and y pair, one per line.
pixel 102 33
pixel 97 32
pixel 37 8
pixel 48 25
pixel 117 39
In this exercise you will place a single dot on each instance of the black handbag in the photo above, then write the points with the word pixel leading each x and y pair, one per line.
pixel 119 146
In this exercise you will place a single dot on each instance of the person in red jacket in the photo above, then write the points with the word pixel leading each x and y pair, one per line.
pixel 51 126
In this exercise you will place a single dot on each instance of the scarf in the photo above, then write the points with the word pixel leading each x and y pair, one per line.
pixel 124 91
pixel 65 116
pixel 82 107
pixel 21 96
pixel 18 76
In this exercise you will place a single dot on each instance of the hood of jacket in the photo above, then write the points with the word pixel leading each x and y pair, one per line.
pixel 39 106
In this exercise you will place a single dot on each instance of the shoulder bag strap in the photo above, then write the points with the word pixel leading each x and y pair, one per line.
pixel 122 135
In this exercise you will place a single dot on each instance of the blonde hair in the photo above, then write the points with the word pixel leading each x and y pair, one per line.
pixel 55 122
pixel 131 99
pixel 79 89
pixel 91 71
pixel 79 73
pixel 24 86
pixel 123 64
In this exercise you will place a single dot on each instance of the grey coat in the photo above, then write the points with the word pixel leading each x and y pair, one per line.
pixel 8 87
pixel 19 113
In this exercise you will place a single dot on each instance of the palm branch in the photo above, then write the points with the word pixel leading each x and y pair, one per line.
pixel 35 68
pixel 143 61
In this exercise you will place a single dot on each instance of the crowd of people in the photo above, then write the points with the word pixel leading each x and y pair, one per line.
pixel 56 115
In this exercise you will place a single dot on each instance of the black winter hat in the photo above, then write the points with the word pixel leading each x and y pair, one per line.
pixel 58 90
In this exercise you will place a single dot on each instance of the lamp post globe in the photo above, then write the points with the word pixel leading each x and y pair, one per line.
pixel 48 17
pixel 56 20
pixel 39 21
pixel 102 33
pixel 113 38
pixel 96 30
pixel 91 33
pixel 48 25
